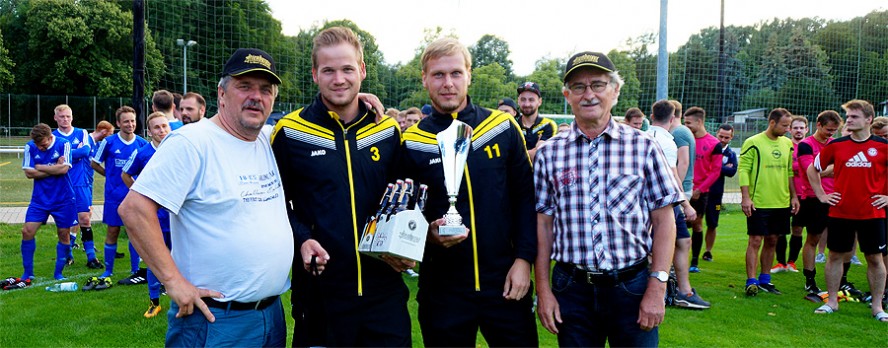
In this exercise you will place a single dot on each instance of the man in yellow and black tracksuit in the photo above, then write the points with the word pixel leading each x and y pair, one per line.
pixel 334 174
pixel 461 287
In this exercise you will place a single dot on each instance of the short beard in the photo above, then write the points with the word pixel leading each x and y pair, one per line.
pixel 529 113
pixel 445 110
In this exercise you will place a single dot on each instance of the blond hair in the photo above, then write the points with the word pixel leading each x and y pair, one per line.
pixel 677 106
pixel 412 111
pixel 155 115
pixel 61 107
pixel 444 47
pixel 879 122
pixel 334 36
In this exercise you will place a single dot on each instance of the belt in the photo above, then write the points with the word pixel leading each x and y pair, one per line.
pixel 241 306
pixel 611 277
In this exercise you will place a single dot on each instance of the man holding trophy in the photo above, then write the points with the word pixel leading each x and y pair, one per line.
pixel 482 239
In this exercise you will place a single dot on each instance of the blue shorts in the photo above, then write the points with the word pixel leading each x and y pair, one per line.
pixel 83 196
pixel 109 216
pixel 63 214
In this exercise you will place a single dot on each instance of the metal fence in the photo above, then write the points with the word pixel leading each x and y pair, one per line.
pixel 19 112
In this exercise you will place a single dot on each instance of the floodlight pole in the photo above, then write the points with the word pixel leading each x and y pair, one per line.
pixel 181 42
pixel 663 56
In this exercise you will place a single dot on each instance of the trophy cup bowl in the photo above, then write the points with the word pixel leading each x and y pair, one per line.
pixel 454 143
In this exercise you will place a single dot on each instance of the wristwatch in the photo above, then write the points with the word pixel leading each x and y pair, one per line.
pixel 661 276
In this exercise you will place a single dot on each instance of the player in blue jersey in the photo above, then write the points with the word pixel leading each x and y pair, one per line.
pixel 114 152
pixel 47 162
pixel 158 128
pixel 81 178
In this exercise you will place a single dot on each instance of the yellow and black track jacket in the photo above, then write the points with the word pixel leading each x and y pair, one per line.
pixel 333 176
pixel 542 129
pixel 496 200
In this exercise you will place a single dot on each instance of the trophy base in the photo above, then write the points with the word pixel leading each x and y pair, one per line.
pixel 446 230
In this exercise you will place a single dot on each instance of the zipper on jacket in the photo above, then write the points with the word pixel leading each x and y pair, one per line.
pixel 351 193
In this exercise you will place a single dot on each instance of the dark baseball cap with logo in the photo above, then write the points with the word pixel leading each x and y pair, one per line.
pixel 246 60
pixel 588 59
pixel 509 102
pixel 530 86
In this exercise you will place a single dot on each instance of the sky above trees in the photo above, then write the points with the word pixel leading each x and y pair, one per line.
pixel 67 47
pixel 548 29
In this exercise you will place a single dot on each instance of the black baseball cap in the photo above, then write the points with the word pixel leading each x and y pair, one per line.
pixel 530 86
pixel 588 59
pixel 509 102
pixel 246 60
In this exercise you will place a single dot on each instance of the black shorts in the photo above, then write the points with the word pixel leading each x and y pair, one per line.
pixel 870 233
pixel 713 209
pixel 681 225
pixel 768 222
pixel 812 215
pixel 699 204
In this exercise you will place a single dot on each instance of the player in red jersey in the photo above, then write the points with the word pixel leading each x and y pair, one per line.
pixel 813 214
pixel 860 165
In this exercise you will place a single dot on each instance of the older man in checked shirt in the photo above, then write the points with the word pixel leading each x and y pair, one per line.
pixel 600 187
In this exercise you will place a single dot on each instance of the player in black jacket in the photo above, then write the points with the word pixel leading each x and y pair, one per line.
pixel 335 161
pixel 480 279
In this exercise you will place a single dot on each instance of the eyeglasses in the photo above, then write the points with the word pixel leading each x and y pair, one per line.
pixel 580 88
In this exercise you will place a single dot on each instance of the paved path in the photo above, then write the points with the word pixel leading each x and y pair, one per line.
pixel 16 215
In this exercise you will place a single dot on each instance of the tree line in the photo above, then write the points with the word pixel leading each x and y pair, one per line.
pixel 70 47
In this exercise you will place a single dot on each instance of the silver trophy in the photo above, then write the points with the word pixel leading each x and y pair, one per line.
pixel 454 143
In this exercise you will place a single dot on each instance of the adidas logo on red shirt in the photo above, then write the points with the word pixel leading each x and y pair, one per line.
pixel 858 161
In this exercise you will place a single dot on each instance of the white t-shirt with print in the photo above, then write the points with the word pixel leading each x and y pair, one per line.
pixel 229 225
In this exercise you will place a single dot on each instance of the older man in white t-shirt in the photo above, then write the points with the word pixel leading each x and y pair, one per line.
pixel 233 242
pixel 662 113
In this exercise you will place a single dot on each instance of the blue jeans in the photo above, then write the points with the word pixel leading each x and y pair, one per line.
pixel 233 328
pixel 594 314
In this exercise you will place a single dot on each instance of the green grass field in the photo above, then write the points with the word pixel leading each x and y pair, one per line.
pixel 34 317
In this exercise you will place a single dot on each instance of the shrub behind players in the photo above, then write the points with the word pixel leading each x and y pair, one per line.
pixel 860 165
